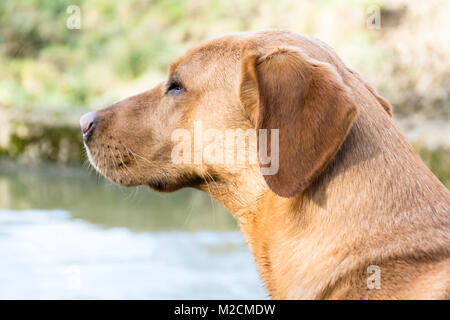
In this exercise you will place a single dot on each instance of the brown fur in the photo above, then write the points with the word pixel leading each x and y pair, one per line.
pixel 350 192
pixel 288 89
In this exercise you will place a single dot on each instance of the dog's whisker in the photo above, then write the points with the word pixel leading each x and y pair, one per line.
pixel 123 161
pixel 126 170
pixel 142 157
pixel 115 172
pixel 129 152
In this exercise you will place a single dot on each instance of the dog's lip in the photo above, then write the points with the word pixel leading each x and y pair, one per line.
pixel 90 157
pixel 157 185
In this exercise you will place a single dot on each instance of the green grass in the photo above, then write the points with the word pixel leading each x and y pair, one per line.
pixel 45 65
pixel 438 161
pixel 122 47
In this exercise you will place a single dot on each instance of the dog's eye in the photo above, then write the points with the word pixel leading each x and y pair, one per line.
pixel 174 87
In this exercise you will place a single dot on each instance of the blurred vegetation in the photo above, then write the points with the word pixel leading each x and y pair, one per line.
pixel 124 47
pixel 43 64
pixel 438 161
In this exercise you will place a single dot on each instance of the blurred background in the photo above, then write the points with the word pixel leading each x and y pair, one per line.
pixel 66 233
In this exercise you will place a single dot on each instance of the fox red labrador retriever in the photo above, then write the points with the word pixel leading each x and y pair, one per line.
pixel 349 212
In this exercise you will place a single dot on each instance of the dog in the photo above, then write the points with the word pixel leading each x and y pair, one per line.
pixel 350 213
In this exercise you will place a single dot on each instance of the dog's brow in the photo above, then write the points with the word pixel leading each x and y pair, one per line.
pixel 172 68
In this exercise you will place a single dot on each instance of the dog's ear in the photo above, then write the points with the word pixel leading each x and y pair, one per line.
pixel 309 104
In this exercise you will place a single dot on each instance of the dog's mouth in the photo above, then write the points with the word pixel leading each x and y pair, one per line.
pixel 158 186
pixel 114 160
pixel 121 165
pixel 169 185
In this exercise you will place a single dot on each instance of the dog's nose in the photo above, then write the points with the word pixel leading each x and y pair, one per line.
pixel 87 123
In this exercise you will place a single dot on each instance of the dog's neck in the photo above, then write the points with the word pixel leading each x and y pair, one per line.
pixel 363 195
pixel 244 192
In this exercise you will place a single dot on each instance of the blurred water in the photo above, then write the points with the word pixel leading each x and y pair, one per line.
pixel 69 235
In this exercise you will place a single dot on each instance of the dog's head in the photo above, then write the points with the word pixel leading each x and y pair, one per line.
pixel 251 81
